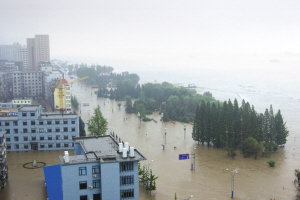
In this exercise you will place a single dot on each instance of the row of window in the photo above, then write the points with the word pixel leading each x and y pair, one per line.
pixel 42 146
pixel 95 197
pixel 126 180
pixel 41 130
pixel 83 184
pixel 83 170
pixel 127 193
pixel 126 166
pixel 41 122
pixel 41 138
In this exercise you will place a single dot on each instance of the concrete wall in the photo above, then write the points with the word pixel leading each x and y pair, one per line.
pixel 71 179
pixel 110 180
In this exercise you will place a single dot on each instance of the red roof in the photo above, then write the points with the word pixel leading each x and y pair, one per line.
pixel 63 81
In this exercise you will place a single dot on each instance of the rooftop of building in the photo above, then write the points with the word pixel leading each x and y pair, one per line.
pixel 100 148
pixel 26 108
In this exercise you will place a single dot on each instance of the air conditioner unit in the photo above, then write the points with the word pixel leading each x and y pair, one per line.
pixel 91 187
pixel 94 175
pixel 62 130
pixel 21 131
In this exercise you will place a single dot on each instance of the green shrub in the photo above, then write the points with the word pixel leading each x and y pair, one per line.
pixel 149 112
pixel 146 119
pixel 272 163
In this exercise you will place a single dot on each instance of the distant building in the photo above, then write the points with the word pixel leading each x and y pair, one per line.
pixel 38 50
pixel 3 162
pixel 32 129
pixel 20 102
pixel 100 169
pixel 66 96
pixel 6 85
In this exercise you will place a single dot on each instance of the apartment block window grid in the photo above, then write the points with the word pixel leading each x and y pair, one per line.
pixel 127 193
pixel 126 180
pixel 126 166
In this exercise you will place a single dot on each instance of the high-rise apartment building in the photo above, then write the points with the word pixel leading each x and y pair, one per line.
pixel 37 50
pixel 9 52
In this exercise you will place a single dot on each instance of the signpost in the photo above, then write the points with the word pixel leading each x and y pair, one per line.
pixel 186 157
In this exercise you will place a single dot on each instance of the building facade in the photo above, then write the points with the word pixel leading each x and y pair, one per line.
pixel 28 84
pixel 6 85
pixel 66 98
pixel 3 162
pixel 38 50
pixel 32 129
pixel 101 169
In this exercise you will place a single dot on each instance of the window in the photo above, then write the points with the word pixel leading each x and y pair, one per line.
pixel 65 137
pixel 33 138
pixel 56 121
pixel 25 138
pixel 82 185
pixel 7 139
pixel 32 122
pixel 33 130
pixel 24 123
pixel 65 129
pixel 126 166
pixel 41 122
pixel 57 129
pixel 16 146
pixel 50 145
pixel 6 123
pixel 83 197
pixel 49 137
pixel 7 131
pixel 82 171
pixel 73 129
pixel 96 184
pixel 8 146
pixel 16 139
pixel 73 121
pixel 66 145
pixel 57 137
pixel 42 138
pixel 32 114
pixel 42 146
pixel 49 130
pixel 96 197
pixel 125 180
pixel 15 123
pixel 16 131
pixel 127 193
pixel 25 130
pixel 24 114
pixel 96 169
pixel 65 121
pixel 57 145
pixel 25 146
pixel 41 130
pixel 48 122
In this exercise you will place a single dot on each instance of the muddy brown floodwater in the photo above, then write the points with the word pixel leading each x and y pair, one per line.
pixel 209 180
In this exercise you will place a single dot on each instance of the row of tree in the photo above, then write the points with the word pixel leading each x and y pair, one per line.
pixel 229 126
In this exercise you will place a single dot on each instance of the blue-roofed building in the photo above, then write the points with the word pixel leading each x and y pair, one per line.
pixel 3 162
pixel 101 169
pixel 32 129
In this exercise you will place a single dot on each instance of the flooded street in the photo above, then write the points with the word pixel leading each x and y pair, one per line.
pixel 209 180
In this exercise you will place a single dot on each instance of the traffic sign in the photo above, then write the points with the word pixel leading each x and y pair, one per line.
pixel 184 156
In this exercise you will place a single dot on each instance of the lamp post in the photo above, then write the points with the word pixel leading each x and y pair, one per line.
pixel 147 165
pixel 139 117
pixel 184 129
pixel 232 180
pixel 166 135
pixel 162 116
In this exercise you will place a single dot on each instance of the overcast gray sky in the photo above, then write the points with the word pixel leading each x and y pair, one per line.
pixel 131 28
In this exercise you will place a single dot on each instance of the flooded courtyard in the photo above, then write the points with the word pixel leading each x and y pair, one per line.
pixel 208 180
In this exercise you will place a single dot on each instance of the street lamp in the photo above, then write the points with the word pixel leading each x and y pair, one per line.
pixel 166 135
pixel 162 116
pixel 232 180
pixel 139 116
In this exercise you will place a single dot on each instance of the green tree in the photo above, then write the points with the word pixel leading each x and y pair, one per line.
pixel 196 127
pixel 280 129
pixel 81 128
pixel 252 147
pixel 128 105
pixel 98 124
pixel 297 183
pixel 119 104
pixel 151 178
pixel 272 163
pixel 141 109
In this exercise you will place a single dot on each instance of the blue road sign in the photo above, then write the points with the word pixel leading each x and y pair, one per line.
pixel 83 124
pixel 184 156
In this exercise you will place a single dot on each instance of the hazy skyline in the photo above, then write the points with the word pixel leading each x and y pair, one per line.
pixel 153 29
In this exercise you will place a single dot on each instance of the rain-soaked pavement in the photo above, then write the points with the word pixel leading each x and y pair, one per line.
pixel 209 180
